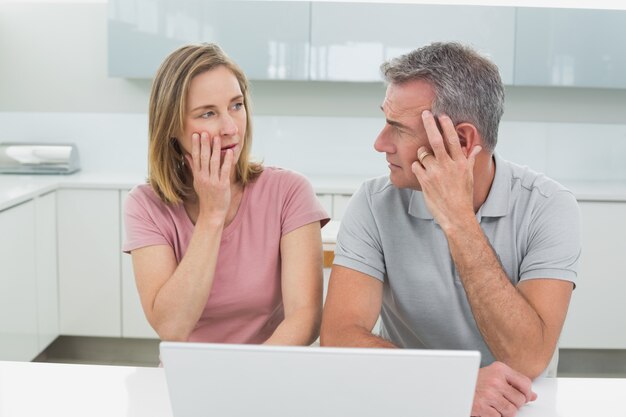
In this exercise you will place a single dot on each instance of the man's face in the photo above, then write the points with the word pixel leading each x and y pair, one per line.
pixel 404 131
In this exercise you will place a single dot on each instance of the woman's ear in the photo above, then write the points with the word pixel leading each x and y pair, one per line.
pixel 468 137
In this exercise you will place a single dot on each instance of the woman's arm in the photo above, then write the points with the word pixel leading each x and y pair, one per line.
pixel 301 280
pixel 174 296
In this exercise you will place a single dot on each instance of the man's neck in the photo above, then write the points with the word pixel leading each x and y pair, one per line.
pixel 484 173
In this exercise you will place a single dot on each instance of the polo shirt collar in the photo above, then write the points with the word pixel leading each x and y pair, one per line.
pixel 496 205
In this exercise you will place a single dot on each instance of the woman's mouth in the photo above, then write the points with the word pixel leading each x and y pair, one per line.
pixel 227 147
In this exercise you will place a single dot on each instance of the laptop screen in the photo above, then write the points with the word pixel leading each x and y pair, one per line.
pixel 255 381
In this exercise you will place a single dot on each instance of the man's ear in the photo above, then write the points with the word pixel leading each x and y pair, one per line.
pixel 468 137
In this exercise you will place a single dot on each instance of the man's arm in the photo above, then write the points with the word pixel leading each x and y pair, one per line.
pixel 351 310
pixel 521 325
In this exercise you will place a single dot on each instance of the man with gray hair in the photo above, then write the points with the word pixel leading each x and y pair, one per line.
pixel 457 248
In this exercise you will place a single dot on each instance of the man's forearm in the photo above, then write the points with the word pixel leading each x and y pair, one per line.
pixel 353 336
pixel 512 329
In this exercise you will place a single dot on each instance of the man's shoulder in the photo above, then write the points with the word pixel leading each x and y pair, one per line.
pixel 378 185
pixel 530 181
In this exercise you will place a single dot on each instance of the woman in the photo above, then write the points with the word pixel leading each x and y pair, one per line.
pixel 224 250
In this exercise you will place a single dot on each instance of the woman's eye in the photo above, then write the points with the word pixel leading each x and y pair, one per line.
pixel 238 106
pixel 207 114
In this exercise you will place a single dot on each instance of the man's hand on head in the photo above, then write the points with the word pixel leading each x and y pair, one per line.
pixel 501 391
pixel 445 173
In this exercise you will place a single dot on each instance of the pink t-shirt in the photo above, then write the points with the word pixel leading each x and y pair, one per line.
pixel 245 303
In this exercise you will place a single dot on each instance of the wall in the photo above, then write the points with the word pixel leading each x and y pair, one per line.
pixel 54 86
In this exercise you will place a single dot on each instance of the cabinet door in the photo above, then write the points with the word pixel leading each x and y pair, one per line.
pixel 570 47
pixel 268 39
pixel 327 202
pixel 134 322
pixel 47 280
pixel 349 41
pixel 89 262
pixel 340 204
pixel 18 289
pixel 597 314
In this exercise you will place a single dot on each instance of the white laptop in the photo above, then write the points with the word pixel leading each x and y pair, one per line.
pixel 225 380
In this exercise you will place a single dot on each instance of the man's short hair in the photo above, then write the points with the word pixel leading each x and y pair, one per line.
pixel 467 85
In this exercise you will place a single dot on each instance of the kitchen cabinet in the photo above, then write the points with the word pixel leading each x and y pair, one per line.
pixel 268 39
pixel 379 31
pixel 340 204
pixel 570 47
pixel 18 287
pixel 89 262
pixel 134 322
pixel 327 202
pixel 597 314
pixel 46 269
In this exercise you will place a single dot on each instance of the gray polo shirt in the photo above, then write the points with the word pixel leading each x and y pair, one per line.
pixel 532 222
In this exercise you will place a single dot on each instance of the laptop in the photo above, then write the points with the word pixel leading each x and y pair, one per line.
pixel 228 380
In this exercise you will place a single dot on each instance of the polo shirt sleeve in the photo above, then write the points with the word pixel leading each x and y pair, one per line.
pixel 554 240
pixel 358 241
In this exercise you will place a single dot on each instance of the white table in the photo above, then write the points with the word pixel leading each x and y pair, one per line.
pixel 47 389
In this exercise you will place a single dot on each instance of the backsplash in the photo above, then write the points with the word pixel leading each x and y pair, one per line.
pixel 113 142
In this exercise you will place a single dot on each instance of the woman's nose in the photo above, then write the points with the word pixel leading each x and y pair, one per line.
pixel 228 127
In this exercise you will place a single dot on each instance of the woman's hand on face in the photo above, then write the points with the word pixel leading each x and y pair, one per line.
pixel 210 180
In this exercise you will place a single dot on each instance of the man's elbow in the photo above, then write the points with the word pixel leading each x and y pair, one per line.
pixel 531 365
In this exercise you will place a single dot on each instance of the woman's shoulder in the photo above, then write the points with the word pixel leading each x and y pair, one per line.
pixel 144 193
pixel 143 197
pixel 281 176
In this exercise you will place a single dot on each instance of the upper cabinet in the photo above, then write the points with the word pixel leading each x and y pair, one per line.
pixel 566 47
pixel 268 39
pixel 349 41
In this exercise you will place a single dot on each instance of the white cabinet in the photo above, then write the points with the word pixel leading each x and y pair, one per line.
pixel 268 39
pixel 46 266
pixel 327 202
pixel 89 262
pixel 597 314
pixel 340 204
pixel 349 41
pixel 18 288
pixel 134 322
pixel 570 47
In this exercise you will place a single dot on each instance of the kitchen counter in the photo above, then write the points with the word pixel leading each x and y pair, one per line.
pixel 15 189
pixel 48 389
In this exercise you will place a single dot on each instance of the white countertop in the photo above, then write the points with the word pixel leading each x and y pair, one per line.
pixel 15 189
pixel 45 389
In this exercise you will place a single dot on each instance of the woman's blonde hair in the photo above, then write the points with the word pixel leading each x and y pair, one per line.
pixel 167 173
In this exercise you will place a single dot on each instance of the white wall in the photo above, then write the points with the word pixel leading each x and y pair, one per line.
pixel 54 86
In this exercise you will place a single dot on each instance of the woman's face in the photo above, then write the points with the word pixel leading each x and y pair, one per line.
pixel 215 105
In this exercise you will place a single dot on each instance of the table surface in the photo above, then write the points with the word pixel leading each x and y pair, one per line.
pixel 69 390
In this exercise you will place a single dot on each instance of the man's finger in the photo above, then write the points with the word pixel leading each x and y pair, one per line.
pixel 434 135
pixel 451 137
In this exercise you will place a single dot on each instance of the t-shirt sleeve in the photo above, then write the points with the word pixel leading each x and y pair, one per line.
pixel 554 240
pixel 358 241
pixel 141 228
pixel 300 204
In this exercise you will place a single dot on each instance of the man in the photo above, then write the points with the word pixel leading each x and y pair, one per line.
pixel 457 248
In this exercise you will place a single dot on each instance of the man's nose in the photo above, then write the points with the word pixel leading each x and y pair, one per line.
pixel 381 144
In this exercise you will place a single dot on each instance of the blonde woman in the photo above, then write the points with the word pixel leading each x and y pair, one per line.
pixel 224 250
